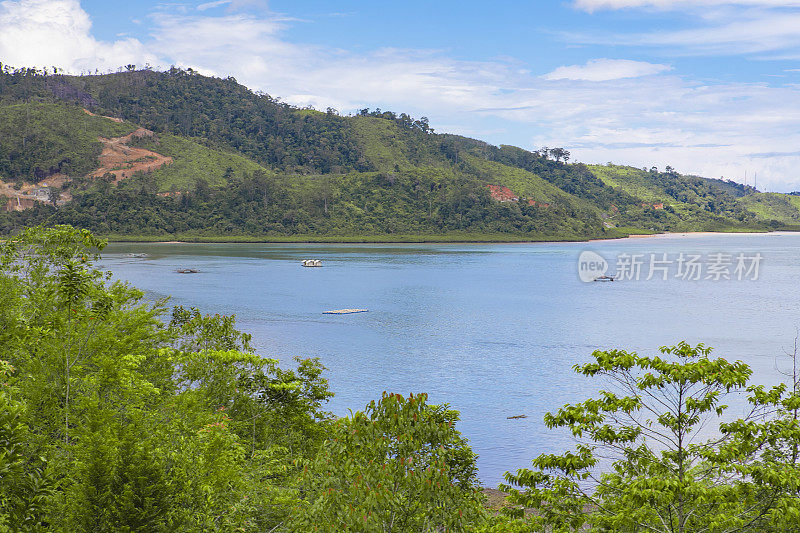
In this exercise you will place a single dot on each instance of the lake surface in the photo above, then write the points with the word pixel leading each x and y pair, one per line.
pixel 491 329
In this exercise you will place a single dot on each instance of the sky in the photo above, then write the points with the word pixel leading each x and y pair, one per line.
pixel 709 87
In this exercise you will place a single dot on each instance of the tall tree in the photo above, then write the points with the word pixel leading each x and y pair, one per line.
pixel 398 466
pixel 646 461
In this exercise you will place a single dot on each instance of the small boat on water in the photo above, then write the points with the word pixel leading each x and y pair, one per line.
pixel 137 255
pixel 344 311
pixel 516 417
pixel 604 278
pixel 311 263
pixel 187 271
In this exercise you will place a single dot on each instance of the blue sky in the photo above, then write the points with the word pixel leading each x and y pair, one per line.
pixel 710 87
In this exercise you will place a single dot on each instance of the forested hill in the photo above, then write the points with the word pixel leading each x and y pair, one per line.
pixel 149 153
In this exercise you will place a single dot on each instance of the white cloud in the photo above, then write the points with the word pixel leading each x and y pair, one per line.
pixel 57 33
pixel 606 69
pixel 252 49
pixel 764 29
pixel 234 5
pixel 595 5
pixel 761 33
pixel 210 5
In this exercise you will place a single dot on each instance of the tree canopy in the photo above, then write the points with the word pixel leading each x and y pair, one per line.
pixel 646 461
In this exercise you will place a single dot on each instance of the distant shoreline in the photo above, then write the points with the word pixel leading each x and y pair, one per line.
pixel 691 234
pixel 427 239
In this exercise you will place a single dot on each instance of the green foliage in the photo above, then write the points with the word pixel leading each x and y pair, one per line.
pixel 192 160
pixel 576 179
pixel 389 146
pixel 113 420
pixel 398 466
pixel 634 181
pixel 781 208
pixel 430 201
pixel 690 203
pixel 222 111
pixel 12 438
pixel 39 139
pixel 665 473
pixel 525 183
pixel 116 421
pixel 195 332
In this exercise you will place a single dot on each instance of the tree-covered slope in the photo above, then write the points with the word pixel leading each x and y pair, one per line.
pixel 220 110
pixel 38 139
pixel 192 160
pixel 243 163
pixel 386 146
pixel 222 192
pixel 435 202
pixel 633 181
pixel 767 206
pixel 527 184
pixel 689 197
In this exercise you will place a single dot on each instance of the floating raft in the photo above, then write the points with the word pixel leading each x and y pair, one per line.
pixel 344 311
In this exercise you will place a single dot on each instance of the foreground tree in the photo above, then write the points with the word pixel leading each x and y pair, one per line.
pixel 23 487
pixel 399 466
pixel 646 460
pixel 116 421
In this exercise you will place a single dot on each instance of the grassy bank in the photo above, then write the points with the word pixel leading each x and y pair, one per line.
pixel 456 237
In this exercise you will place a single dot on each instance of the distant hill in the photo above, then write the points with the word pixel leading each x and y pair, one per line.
pixel 175 153
pixel 687 197
pixel 773 208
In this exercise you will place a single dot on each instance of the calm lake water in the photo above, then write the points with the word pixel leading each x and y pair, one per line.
pixel 491 329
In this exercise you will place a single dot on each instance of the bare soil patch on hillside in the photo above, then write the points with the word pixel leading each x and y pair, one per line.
pixel 123 161
pixel 24 195
pixel 112 119
pixel 117 159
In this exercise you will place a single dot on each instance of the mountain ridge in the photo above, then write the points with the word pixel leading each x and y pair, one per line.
pixel 243 163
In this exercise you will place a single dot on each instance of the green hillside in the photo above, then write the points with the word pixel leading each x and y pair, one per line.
pixel 193 161
pixel 633 181
pixel 768 206
pixel 391 142
pixel 520 181
pixel 668 187
pixel 689 197
pixel 43 138
pixel 732 188
pixel 366 205
pixel 222 111
pixel 384 145
pixel 530 186
pixel 39 139
pixel 245 164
